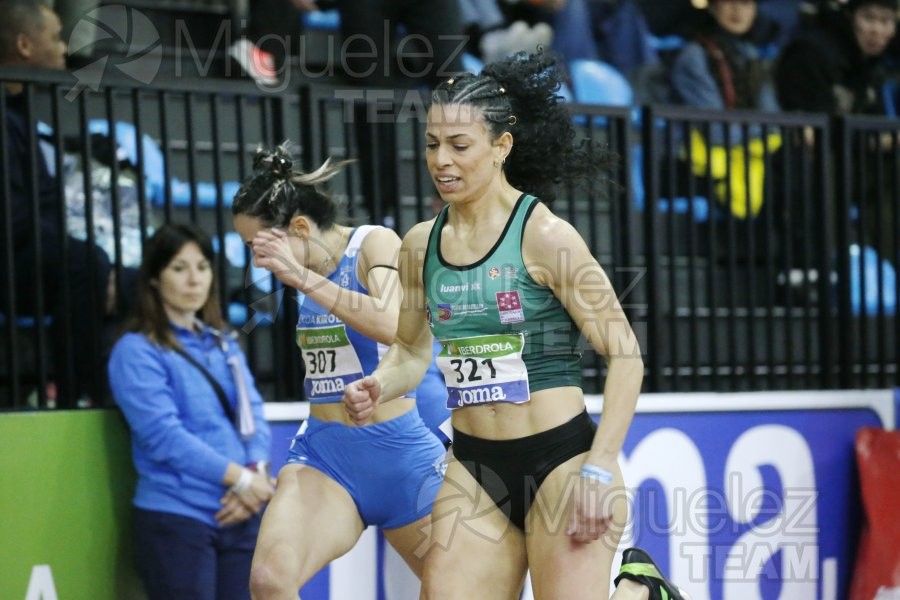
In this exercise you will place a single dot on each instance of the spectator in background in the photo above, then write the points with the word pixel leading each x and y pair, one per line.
pixel 200 443
pixel 614 32
pixel 80 293
pixel 720 67
pixel 486 24
pixel 835 65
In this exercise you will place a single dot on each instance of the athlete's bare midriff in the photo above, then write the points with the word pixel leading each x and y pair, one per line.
pixel 504 421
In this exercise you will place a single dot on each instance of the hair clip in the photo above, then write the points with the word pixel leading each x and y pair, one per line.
pixel 282 166
pixel 512 120
pixel 502 90
pixel 450 81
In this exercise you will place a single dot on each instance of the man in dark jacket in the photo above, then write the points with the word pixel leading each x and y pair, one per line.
pixel 71 278
pixel 835 66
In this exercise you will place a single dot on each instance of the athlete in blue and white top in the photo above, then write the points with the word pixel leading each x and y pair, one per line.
pixel 336 354
pixel 337 474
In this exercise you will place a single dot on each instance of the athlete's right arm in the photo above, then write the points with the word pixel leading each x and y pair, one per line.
pixel 403 366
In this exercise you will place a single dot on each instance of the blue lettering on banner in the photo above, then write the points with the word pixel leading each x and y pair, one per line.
pixel 747 505
pixel 736 505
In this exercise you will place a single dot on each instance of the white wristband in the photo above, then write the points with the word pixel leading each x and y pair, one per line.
pixel 243 483
pixel 597 473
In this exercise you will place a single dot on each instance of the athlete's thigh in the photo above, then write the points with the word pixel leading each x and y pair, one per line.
pixel 474 552
pixel 310 521
pixel 411 542
pixel 560 568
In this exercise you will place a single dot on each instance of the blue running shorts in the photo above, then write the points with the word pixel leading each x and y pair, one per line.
pixel 392 470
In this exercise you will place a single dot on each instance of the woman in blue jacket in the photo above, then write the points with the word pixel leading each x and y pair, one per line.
pixel 200 443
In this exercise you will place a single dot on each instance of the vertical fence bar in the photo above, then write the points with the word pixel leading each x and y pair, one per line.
pixel 305 106
pixel 822 177
pixel 651 253
pixel 88 187
pixel 222 259
pixel 115 198
pixel 807 261
pixel 417 162
pixel 692 267
pixel 672 259
pixel 33 190
pixel 191 140
pixel 166 144
pixel 895 192
pixel 13 358
pixel 750 225
pixel 861 321
pixel 141 168
pixel 843 168
pixel 770 205
pixel 63 329
pixel 880 242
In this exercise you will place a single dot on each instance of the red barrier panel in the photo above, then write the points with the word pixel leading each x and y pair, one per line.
pixel 878 559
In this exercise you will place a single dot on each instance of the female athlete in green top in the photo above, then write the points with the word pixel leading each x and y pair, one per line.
pixel 507 287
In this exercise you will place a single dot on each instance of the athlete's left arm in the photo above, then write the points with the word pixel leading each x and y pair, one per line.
pixel 557 256
pixel 373 314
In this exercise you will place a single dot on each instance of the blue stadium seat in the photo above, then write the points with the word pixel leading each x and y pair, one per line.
pixel 238 312
pixel 698 206
pixel 889 92
pixel 235 255
pixel 154 172
pixel 596 82
pixel 665 43
pixel 26 321
pixel 327 20
pixel 471 63
pixel 864 272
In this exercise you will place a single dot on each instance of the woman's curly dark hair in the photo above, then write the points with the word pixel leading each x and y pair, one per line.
pixel 276 192
pixel 520 95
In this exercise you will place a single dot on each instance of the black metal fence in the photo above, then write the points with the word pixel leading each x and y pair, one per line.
pixel 751 251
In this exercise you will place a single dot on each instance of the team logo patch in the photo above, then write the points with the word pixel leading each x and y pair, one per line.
pixel 510 307
pixel 444 312
pixel 493 272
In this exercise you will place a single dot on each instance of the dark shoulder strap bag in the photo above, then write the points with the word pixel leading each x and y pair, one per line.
pixel 223 400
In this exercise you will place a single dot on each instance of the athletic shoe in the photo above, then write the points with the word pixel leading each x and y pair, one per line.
pixel 638 566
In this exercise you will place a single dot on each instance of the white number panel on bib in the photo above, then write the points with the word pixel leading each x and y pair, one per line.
pixel 484 369
pixel 331 362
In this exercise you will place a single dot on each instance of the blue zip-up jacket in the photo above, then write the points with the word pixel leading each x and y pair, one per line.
pixel 181 438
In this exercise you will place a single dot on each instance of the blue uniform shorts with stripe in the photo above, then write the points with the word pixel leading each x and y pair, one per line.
pixel 392 470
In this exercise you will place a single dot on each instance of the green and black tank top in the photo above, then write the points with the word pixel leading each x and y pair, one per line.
pixel 502 334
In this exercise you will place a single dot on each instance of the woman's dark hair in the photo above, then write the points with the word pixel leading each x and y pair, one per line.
pixel 276 192
pixel 520 95
pixel 149 315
